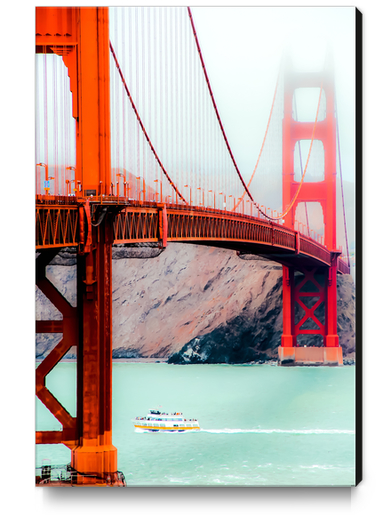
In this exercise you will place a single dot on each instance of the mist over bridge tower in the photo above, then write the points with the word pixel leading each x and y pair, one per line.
pixel 310 298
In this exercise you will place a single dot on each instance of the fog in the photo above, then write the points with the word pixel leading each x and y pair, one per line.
pixel 243 48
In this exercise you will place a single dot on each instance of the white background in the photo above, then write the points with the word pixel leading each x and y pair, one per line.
pixel 18 493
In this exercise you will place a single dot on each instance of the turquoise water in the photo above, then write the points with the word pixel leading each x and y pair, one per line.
pixel 261 425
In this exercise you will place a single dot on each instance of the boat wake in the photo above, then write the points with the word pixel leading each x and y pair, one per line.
pixel 262 431
pixel 282 431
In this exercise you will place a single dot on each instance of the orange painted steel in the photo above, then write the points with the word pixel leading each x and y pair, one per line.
pixel 81 37
pixel 69 327
pixel 137 225
pixel 324 192
pixel 95 454
pixel 56 226
pixel 310 292
pixel 161 223
pixel 214 227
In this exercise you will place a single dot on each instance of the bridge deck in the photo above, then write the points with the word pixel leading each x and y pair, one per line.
pixel 59 224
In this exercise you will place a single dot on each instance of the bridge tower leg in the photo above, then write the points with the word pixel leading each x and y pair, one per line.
pixel 81 37
pixel 323 192
pixel 94 454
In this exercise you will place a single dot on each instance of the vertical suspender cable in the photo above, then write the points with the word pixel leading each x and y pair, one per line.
pixel 142 93
pixel 38 89
pixel 137 78
pixel 301 169
pixel 161 88
pixel 45 100
pixel 141 125
pixel 177 90
pixel 215 107
pixel 182 99
pixel 123 114
pixel 156 121
pixel 166 86
pixel 66 161
pixel 340 174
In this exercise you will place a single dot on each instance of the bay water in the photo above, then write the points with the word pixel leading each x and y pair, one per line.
pixel 261 425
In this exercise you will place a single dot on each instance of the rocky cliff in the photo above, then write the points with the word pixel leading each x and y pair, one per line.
pixel 192 304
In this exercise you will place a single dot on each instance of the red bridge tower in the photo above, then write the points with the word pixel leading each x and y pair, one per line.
pixel 81 36
pixel 310 295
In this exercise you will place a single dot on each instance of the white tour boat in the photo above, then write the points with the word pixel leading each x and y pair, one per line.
pixel 157 421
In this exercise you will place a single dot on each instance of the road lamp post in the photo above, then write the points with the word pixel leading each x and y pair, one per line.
pixel 234 201
pixel 225 200
pixel 214 198
pixel 141 191
pixel 187 186
pixel 46 181
pixel 203 196
pixel 69 181
pixel 123 176
pixel 161 190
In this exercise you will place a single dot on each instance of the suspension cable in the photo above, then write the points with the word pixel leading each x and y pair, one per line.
pixel 142 126
pixel 301 172
pixel 226 140
pixel 305 169
pixel 263 143
pixel 215 107
pixel 340 173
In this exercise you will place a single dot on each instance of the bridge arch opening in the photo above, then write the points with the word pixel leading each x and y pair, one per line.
pixel 309 216
pixel 305 104
pixel 316 163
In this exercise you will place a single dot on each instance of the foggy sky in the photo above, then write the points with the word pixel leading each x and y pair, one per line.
pixel 242 48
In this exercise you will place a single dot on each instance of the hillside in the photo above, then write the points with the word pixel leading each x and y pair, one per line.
pixel 222 307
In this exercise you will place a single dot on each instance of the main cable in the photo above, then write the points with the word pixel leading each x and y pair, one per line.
pixel 142 126
pixel 263 144
pixel 215 106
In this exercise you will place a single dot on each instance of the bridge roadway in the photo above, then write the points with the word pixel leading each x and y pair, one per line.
pixel 66 222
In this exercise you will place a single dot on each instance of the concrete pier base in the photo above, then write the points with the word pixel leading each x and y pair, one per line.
pixel 310 356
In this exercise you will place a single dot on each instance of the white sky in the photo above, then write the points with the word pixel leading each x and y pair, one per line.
pixel 242 49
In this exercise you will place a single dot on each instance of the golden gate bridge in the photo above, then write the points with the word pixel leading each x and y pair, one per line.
pixel 131 148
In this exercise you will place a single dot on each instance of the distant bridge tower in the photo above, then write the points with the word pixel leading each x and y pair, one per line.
pixel 310 296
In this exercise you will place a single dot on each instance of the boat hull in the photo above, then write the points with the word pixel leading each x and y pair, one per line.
pixel 166 429
pixel 160 422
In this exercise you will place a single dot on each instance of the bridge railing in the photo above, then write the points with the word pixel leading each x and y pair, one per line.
pixel 202 224
pixel 58 225
pixel 284 238
pixel 343 267
pixel 136 224
pixel 314 249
